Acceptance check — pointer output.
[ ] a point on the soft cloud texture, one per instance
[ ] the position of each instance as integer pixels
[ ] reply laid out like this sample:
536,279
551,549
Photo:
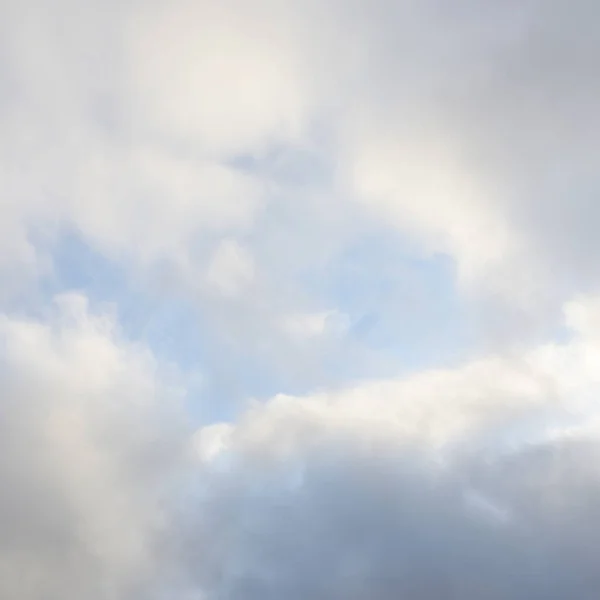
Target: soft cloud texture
123,122
477,480
315,190
461,480
230,269
91,437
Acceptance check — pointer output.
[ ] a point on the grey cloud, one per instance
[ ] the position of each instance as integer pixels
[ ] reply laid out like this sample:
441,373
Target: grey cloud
388,523
467,483
98,498
495,102
394,489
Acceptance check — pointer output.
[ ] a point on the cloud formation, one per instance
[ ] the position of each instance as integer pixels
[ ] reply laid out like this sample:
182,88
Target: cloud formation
454,481
91,439
472,130
480,480
239,162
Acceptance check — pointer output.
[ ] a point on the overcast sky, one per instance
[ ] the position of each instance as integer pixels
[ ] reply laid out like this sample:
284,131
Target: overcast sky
299,299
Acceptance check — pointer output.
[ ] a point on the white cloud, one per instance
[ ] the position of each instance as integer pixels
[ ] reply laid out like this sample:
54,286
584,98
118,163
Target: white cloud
231,268
69,159
151,205
303,326
223,74
414,177
212,440
89,439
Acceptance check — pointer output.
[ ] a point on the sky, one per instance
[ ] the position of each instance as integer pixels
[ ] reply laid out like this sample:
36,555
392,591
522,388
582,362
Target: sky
299,299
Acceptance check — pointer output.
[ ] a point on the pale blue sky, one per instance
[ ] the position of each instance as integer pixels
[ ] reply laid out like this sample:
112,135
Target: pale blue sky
403,315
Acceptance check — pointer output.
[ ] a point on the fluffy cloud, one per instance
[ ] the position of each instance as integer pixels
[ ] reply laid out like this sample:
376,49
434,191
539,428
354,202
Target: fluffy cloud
208,71
123,122
480,478
230,269
463,482
244,147
91,442
385,520
71,159
306,326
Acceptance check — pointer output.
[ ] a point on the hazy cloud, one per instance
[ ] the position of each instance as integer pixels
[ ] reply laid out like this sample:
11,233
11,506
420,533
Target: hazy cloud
228,155
91,438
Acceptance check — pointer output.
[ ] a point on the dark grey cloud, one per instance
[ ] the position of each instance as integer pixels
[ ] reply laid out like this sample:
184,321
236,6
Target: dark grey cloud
387,523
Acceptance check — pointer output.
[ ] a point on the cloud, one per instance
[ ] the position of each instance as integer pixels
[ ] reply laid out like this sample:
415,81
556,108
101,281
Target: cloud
244,148
71,161
150,206
91,439
124,123
475,478
387,521
207,71
230,269
460,482
475,138
310,325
